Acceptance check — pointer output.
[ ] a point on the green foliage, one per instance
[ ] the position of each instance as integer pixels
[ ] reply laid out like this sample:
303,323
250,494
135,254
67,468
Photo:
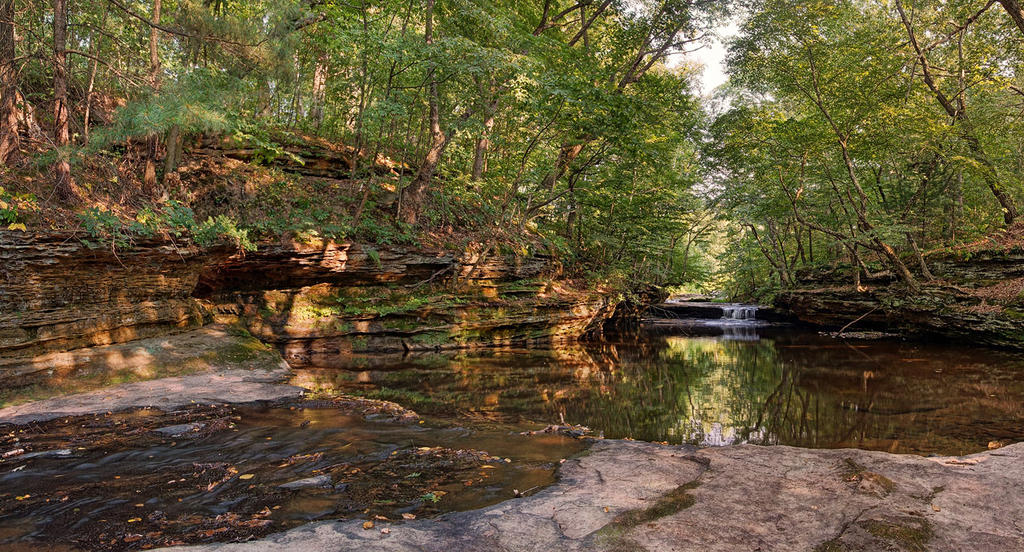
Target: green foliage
581,143
834,147
173,219
430,497
14,207
222,229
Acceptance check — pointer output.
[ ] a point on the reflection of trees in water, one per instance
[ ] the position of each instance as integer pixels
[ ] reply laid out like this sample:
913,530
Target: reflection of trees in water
710,391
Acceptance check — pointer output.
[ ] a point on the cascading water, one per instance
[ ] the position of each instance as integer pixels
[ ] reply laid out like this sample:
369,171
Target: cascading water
739,312
729,321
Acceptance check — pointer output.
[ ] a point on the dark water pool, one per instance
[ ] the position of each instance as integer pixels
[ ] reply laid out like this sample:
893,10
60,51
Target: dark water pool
150,490
121,485
755,385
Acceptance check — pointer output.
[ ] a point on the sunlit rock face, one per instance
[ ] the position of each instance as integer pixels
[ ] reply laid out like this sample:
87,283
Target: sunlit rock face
60,293
308,299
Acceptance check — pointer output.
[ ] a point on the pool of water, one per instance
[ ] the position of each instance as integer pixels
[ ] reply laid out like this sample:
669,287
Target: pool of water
709,383
744,385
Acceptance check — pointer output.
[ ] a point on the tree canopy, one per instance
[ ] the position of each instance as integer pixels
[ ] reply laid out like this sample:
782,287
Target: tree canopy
853,135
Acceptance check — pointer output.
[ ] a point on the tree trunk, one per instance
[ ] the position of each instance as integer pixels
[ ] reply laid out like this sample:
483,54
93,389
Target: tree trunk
92,82
9,140
319,91
925,273
483,142
152,140
27,117
1013,8
566,156
412,195
173,156
959,114
61,131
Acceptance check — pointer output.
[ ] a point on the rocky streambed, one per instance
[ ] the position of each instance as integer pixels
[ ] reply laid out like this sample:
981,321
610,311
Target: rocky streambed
639,496
589,494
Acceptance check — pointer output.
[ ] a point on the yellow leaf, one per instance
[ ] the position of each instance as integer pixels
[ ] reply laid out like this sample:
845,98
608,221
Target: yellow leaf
246,476
367,525
133,520
22,497
17,226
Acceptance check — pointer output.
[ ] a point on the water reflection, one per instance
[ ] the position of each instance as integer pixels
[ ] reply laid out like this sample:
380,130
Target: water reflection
739,387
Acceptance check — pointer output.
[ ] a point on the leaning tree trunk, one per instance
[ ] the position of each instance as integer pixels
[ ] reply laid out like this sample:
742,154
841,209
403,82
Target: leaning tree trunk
61,130
413,194
152,140
483,142
1014,10
566,155
958,114
9,140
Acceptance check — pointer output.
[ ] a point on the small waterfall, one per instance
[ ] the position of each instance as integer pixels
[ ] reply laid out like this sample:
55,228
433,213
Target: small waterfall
739,312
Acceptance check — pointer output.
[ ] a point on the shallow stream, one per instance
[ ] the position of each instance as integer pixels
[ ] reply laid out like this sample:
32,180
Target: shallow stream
128,486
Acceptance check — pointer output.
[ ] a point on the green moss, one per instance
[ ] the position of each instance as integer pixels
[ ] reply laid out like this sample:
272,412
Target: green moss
247,351
1013,313
614,535
615,539
313,312
855,472
402,324
431,338
674,501
912,536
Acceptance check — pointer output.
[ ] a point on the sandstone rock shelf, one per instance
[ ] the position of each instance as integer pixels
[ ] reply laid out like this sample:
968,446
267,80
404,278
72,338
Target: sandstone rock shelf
312,300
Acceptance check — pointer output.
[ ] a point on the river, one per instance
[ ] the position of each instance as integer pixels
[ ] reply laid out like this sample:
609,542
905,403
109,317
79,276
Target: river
708,383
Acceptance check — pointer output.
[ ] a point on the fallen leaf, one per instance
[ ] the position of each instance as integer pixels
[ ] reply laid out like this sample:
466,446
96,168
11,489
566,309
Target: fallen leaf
936,508
133,520
12,453
22,497
408,516
246,476
367,525
385,531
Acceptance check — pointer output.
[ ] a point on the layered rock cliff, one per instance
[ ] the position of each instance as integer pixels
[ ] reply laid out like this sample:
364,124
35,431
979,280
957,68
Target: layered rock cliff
313,301
976,297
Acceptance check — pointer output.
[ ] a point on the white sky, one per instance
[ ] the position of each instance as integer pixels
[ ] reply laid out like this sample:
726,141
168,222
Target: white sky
712,58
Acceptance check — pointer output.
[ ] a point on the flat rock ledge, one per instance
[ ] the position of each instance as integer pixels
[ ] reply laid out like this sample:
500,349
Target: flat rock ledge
212,364
230,386
631,496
